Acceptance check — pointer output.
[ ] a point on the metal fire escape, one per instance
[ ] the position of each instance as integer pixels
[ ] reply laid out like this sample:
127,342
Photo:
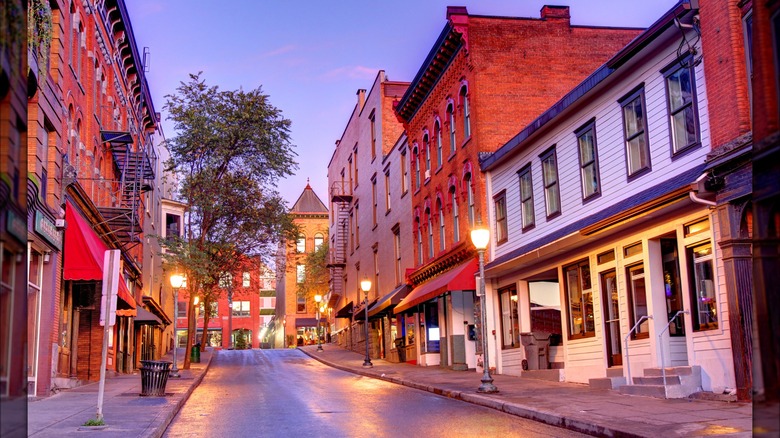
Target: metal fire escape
341,196
134,173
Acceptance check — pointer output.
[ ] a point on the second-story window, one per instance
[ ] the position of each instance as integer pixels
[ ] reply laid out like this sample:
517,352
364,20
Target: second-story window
442,230
246,279
470,199
635,132
300,273
455,215
319,239
589,170
552,196
526,197
464,98
397,253
500,212
300,244
419,224
430,232
681,101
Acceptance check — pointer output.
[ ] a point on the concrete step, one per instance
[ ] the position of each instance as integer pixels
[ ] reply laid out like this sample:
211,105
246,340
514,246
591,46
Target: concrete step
670,380
551,375
673,371
656,391
615,372
607,382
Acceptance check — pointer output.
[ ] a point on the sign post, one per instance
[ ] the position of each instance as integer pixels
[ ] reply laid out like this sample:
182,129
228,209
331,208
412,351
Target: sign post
107,315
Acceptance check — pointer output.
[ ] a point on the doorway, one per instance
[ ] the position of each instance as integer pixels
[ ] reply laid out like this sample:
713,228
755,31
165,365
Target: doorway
609,296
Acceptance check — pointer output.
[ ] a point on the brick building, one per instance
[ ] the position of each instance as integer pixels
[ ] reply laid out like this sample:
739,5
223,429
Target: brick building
484,78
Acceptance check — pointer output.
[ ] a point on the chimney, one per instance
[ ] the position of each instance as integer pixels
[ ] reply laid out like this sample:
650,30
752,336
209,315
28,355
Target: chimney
555,13
456,10
361,94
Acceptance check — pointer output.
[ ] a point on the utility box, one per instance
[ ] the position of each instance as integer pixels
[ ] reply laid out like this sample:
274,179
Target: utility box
537,350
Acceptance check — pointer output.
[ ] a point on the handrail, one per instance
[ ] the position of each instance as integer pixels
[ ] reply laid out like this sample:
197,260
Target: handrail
628,360
661,345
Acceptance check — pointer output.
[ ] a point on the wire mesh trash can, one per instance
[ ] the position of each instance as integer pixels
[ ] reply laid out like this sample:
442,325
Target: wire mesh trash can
154,377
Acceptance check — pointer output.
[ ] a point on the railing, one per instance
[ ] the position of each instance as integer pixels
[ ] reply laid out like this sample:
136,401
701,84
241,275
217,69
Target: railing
661,345
628,359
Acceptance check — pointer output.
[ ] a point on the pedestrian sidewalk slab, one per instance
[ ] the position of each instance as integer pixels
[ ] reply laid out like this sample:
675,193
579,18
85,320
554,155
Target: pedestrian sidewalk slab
599,412
126,413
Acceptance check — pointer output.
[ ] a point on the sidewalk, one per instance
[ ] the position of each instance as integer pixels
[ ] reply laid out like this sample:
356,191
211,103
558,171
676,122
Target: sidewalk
125,412
599,412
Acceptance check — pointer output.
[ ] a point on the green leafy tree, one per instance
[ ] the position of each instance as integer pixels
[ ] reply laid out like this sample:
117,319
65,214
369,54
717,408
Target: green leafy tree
317,274
230,150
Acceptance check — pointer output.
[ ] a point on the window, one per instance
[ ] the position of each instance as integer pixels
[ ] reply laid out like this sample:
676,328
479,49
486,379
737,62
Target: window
355,154
376,269
552,195
373,201
606,257
455,215
226,280
703,298
213,312
680,98
589,168
437,134
635,132
387,191
300,302
451,122
637,300
357,226
500,212
470,199
419,242
319,239
427,146
397,253
404,174
181,309
464,98
442,231
430,232
351,180
526,197
245,279
372,118
300,273
510,325
632,249
241,308
300,244
579,300
351,232
416,153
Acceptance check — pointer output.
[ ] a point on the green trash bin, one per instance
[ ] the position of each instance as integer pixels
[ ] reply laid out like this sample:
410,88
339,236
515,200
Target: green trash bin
195,353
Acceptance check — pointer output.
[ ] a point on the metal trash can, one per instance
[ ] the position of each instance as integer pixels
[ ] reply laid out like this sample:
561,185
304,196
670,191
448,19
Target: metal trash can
537,347
154,377
195,353
399,345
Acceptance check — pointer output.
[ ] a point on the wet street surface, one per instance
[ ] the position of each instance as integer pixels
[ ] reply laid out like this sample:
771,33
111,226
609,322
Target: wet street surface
282,393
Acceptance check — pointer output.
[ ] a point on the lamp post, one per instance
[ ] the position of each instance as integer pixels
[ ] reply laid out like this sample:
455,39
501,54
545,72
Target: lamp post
195,309
365,285
176,282
480,236
318,300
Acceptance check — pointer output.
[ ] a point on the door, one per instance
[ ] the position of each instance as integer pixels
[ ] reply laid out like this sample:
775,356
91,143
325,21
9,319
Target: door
609,297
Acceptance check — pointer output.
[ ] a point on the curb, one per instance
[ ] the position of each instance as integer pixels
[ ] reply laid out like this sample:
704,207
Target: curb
166,421
546,417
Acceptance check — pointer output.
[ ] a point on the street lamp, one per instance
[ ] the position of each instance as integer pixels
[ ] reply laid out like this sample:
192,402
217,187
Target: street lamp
365,285
177,280
480,236
318,300
195,303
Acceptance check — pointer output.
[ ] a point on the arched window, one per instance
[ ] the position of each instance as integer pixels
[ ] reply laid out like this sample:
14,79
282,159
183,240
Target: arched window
416,154
430,231
442,231
427,146
319,239
451,122
437,134
464,100
470,198
300,244
419,238
455,215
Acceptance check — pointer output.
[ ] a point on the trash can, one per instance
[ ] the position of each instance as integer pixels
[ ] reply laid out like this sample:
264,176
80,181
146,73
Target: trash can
195,353
154,377
537,346
399,345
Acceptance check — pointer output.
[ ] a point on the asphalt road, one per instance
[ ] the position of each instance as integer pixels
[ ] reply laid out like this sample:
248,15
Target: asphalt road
283,393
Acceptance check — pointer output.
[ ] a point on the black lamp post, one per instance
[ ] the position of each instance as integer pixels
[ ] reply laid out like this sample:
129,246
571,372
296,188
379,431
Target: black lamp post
318,300
480,237
365,285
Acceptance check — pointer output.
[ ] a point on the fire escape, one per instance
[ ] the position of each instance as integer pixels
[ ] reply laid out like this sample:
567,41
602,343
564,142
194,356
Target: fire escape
134,173
341,196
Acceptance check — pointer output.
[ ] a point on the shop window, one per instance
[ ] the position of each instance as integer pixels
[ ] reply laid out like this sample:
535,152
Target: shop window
545,300
510,326
703,294
579,300
637,300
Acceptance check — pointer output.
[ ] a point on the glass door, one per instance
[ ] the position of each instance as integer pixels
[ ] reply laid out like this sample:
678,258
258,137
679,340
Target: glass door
609,295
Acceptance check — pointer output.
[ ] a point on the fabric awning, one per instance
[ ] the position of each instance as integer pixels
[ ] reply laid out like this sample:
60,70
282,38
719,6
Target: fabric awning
386,302
146,317
346,311
84,252
459,278
359,312
308,322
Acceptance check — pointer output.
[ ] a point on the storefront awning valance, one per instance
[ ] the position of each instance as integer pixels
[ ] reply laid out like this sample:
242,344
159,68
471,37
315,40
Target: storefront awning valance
459,278
146,317
84,252
359,312
308,322
346,311
388,301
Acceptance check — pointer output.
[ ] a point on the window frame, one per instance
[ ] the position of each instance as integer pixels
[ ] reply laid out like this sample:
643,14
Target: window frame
509,317
451,122
442,224
695,296
500,217
526,170
469,178
466,110
439,145
300,244
372,120
583,291
630,293
455,215
549,186
374,202
668,72
638,94
588,127
427,147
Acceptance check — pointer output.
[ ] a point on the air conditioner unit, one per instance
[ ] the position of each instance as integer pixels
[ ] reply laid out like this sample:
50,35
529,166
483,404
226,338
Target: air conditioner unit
428,174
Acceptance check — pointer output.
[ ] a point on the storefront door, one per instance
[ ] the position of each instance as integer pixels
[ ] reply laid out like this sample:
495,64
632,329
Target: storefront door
609,294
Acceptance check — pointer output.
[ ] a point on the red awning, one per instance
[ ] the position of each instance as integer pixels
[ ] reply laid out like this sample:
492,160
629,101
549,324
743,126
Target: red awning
84,252
459,278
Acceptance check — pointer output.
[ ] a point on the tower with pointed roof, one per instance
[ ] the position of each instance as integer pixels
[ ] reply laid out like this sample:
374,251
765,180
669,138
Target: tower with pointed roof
295,314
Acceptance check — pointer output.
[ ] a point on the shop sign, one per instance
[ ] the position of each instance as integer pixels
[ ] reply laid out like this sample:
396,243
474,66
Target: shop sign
47,229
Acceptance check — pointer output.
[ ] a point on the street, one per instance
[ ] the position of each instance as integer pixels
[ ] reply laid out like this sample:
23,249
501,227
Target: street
286,393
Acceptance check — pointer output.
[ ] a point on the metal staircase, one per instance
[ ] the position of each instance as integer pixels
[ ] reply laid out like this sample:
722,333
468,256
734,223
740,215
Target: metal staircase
341,197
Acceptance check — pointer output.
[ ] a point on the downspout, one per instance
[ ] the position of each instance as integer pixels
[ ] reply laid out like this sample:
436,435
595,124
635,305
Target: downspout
695,189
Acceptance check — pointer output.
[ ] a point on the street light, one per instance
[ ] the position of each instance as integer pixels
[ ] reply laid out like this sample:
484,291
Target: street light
318,300
195,303
480,236
177,280
365,285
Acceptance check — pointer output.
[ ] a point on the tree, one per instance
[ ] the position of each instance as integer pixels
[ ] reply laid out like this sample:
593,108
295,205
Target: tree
317,274
230,151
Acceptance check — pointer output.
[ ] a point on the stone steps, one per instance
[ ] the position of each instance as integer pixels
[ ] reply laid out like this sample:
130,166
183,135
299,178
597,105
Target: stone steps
551,375
680,382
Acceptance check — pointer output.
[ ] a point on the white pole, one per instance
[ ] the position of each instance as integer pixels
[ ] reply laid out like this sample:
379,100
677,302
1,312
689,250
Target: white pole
104,358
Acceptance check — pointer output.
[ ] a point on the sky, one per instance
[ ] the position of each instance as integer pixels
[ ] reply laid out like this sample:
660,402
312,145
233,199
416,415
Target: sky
311,56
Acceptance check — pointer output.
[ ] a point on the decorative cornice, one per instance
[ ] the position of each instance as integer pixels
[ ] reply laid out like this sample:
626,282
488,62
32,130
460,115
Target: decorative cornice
461,252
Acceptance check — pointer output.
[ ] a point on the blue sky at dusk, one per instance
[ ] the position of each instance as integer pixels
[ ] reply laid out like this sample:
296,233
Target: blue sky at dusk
311,57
